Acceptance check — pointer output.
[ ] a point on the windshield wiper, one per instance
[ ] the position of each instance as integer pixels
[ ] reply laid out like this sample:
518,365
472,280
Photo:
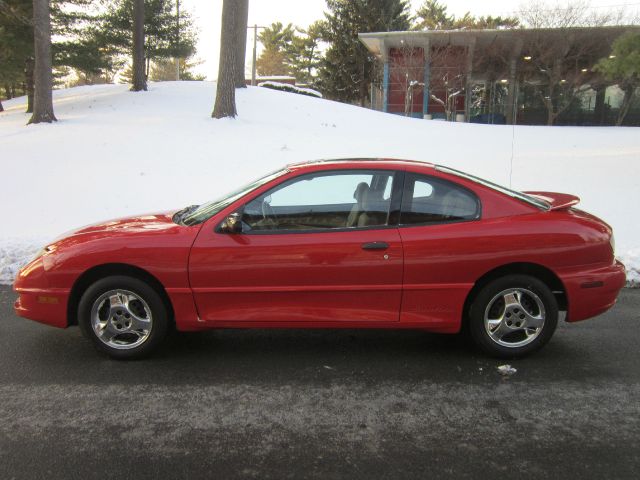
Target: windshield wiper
180,214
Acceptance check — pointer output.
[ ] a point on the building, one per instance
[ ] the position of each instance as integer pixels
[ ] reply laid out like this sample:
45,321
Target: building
523,76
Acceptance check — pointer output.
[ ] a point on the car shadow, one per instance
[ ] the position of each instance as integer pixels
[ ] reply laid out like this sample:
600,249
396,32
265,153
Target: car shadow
288,356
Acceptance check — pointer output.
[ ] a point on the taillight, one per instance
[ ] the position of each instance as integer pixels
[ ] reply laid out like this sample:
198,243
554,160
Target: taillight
612,242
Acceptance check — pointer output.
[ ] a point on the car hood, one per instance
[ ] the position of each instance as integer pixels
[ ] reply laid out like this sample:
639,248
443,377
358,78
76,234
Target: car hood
148,224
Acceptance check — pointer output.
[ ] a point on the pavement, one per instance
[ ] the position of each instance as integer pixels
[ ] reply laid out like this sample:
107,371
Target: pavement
321,404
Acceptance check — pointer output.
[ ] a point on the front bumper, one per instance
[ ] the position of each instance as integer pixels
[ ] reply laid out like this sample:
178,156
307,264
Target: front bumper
37,301
594,291
47,306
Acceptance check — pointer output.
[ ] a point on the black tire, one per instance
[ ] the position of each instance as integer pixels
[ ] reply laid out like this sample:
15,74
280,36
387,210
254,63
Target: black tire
159,324
476,321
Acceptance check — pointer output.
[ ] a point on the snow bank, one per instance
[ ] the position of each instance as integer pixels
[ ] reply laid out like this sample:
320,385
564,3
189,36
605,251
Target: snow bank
285,87
116,153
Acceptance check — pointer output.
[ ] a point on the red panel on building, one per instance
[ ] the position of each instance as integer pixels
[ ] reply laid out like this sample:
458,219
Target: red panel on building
406,77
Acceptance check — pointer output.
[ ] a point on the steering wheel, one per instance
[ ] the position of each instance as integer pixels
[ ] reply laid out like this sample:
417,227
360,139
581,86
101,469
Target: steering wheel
268,214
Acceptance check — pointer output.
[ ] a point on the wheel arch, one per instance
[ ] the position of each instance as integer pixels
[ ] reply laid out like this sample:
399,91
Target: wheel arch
536,270
97,272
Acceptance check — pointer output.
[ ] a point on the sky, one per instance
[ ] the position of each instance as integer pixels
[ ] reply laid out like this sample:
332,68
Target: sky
207,15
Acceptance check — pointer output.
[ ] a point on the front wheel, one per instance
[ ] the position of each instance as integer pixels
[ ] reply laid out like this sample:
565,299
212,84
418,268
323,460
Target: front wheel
513,316
123,316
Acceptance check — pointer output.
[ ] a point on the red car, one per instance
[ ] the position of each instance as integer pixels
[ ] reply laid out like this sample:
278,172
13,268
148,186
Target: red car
334,244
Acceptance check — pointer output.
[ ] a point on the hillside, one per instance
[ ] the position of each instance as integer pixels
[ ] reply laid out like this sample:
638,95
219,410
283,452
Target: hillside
115,153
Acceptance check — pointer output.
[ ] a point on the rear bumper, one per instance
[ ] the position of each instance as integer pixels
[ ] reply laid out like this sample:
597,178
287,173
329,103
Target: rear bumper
592,292
47,306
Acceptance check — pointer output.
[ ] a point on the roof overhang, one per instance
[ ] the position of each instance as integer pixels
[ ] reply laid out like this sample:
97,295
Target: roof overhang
379,43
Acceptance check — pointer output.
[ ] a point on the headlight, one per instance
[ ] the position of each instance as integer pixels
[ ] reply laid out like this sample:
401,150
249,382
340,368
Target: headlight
43,251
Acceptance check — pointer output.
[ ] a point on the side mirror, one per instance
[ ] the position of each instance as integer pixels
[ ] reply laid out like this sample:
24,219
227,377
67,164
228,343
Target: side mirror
231,224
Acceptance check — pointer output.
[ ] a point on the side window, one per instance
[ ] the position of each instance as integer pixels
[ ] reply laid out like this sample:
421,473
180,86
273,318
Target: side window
325,200
431,200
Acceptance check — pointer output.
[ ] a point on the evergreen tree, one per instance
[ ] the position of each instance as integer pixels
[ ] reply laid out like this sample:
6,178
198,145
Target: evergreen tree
17,48
69,19
164,70
162,39
347,69
277,42
433,15
305,53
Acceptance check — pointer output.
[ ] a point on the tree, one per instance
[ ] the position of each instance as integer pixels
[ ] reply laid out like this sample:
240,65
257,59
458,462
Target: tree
622,66
406,71
573,13
305,54
448,77
17,48
225,104
560,61
492,23
139,77
43,99
241,42
347,69
433,15
277,42
164,36
164,70
70,21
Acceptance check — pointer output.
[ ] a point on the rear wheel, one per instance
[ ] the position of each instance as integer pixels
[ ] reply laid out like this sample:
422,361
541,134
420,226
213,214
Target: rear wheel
513,316
123,317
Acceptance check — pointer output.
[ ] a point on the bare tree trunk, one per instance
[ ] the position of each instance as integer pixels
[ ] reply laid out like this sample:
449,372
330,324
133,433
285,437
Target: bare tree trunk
1,107
626,104
598,110
139,80
241,42
28,74
43,98
548,103
225,105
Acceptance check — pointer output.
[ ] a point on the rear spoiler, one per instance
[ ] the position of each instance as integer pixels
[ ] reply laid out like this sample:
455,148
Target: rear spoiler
556,201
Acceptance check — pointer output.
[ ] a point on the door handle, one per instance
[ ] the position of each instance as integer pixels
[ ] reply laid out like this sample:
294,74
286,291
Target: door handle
375,246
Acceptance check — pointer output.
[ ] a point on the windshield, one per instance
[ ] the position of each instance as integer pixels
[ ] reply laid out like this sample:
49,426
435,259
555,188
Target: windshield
209,209
507,191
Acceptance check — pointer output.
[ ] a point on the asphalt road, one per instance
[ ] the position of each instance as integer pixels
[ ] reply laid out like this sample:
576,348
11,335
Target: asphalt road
321,404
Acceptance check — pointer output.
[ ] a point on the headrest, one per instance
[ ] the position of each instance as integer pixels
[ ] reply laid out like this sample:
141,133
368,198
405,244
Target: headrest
360,191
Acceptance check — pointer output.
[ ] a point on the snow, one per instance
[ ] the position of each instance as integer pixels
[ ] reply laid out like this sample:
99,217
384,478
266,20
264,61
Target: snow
290,88
506,370
115,153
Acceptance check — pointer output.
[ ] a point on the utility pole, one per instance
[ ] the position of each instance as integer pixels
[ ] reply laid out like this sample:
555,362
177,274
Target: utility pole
177,39
255,46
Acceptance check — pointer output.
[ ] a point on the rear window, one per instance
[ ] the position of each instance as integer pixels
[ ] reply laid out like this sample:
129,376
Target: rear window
427,200
507,191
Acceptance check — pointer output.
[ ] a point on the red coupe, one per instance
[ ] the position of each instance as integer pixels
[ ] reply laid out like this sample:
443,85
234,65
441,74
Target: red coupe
360,243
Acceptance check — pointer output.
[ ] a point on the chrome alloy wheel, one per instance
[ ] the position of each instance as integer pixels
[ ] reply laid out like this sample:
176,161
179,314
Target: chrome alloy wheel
514,317
121,319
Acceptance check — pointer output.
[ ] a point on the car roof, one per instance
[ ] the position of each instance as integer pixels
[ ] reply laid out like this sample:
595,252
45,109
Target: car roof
382,162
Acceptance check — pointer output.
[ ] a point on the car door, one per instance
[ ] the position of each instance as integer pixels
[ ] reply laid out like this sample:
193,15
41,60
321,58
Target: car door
316,248
439,225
